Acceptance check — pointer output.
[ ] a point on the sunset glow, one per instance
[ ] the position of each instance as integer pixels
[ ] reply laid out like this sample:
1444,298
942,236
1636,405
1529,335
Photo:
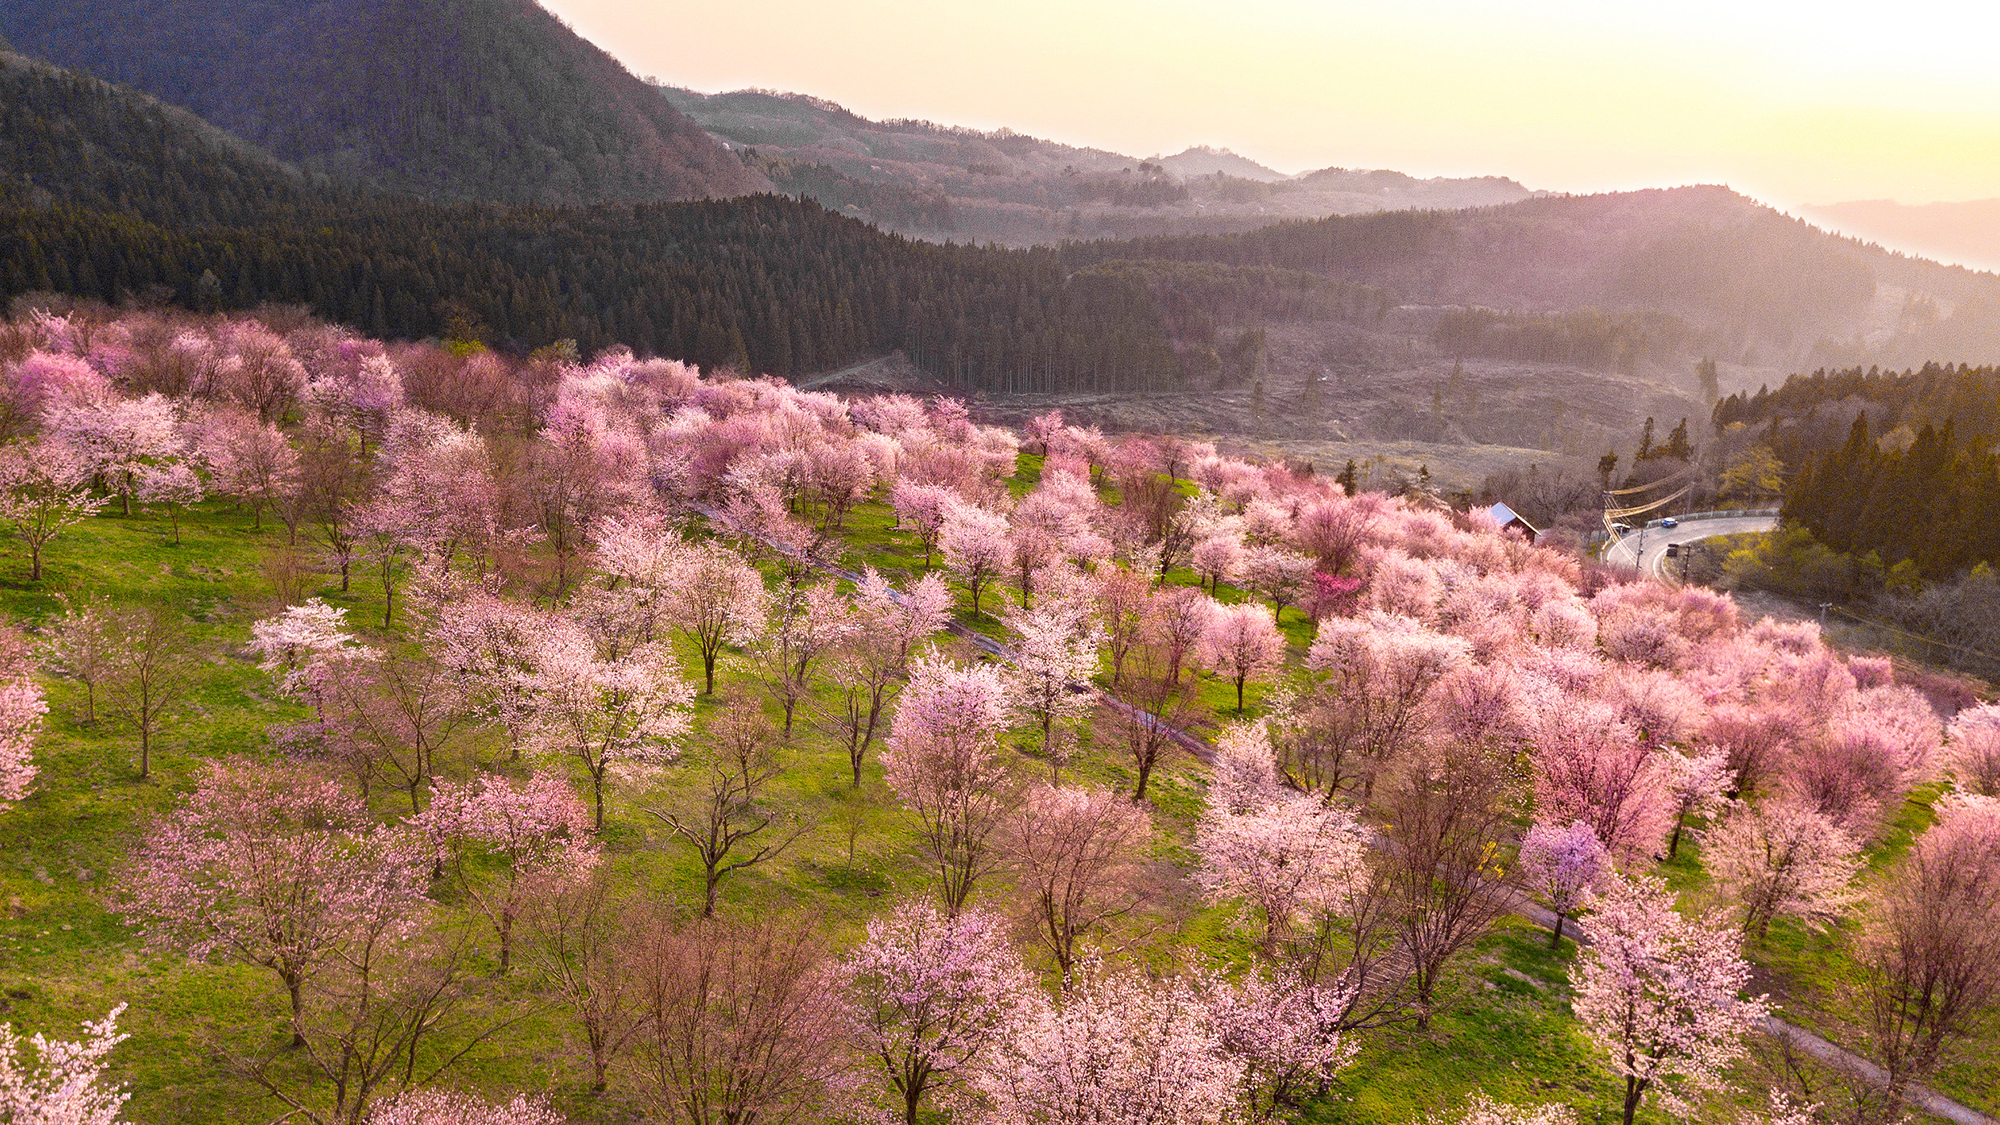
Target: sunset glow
1793,103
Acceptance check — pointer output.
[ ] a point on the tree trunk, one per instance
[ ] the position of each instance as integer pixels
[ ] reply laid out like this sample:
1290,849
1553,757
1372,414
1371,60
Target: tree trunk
1634,1090
35,562
1556,938
292,986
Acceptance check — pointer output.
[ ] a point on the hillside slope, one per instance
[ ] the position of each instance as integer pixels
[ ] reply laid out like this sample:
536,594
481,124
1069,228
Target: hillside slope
938,181
69,138
448,99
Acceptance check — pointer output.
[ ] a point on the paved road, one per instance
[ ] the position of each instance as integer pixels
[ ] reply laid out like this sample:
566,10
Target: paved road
1626,550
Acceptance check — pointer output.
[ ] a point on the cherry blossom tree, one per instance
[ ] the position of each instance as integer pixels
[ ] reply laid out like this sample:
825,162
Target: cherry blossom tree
1482,1110
716,599
921,508
1698,786
927,993
274,868
1076,855
1590,765
1781,858
1241,644
1120,596
1219,558
1049,679
975,546
1972,750
301,645
1931,947
21,711
44,489
1111,1047
1657,992
1565,866
806,624
173,488
625,715
66,1083
942,763
116,439
1382,669
536,829
249,461
743,1023
1286,858
1288,1032
875,655
1280,575
446,1107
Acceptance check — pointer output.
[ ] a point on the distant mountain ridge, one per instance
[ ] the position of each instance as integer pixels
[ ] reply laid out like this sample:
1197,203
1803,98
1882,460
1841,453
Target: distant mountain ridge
454,100
1967,232
946,182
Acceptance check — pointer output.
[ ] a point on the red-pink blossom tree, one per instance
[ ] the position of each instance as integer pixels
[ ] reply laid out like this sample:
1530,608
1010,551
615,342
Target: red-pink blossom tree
1289,1034
927,992
1972,750
1698,785
1288,856
1658,993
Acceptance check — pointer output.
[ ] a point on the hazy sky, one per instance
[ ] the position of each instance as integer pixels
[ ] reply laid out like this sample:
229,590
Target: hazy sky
1795,103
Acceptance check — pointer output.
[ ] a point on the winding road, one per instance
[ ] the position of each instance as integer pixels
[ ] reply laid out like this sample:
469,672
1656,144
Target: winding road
1627,549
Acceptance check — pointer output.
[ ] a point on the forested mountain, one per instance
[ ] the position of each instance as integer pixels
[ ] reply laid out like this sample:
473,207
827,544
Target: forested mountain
67,137
456,100
938,181
1735,278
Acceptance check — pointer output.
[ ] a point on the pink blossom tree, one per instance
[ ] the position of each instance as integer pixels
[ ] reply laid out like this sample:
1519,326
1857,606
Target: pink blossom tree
1288,1032
1285,858
1972,750
921,509
1565,866
1049,679
536,829
1591,766
447,1107
942,763
976,547
716,599
66,1084
21,711
873,657
1698,786
626,715
1781,858
1657,992
1382,670
249,461
1241,644
44,489
1076,856
274,868
1280,575
927,993
173,488
1111,1047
